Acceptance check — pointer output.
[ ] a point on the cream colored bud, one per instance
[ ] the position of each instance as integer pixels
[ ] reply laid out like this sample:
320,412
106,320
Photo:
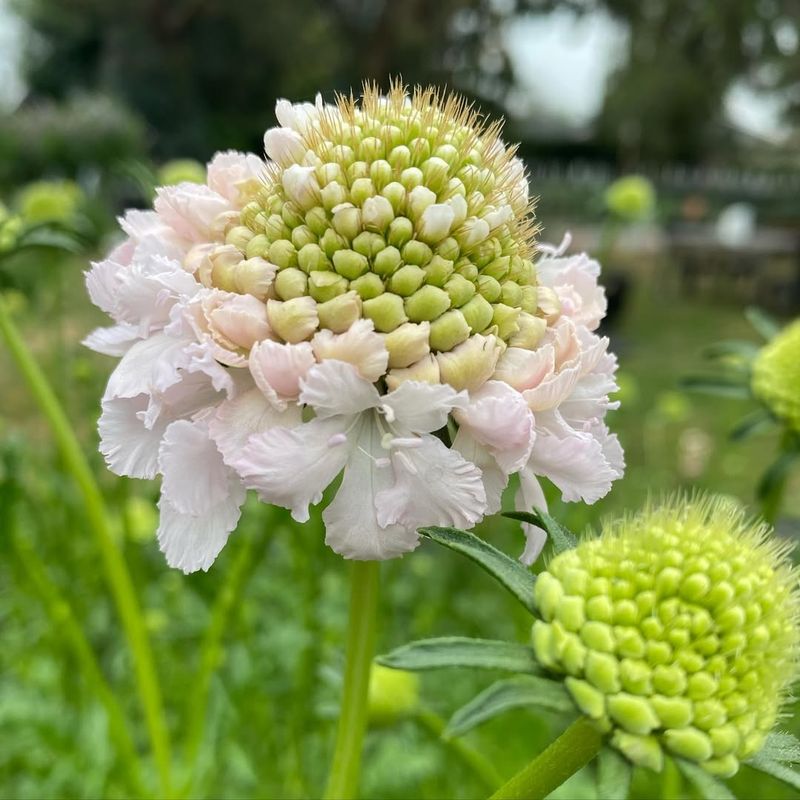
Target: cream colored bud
380,171
334,194
386,311
239,236
258,246
408,343
347,221
300,185
325,285
435,222
549,304
284,146
505,318
293,320
460,209
425,370
368,286
377,213
472,233
448,330
530,299
197,261
387,261
470,364
401,230
419,198
357,170
339,313
395,193
361,190
411,177
447,153
291,283
217,270
530,333
331,173
427,303
495,217
435,171
255,276
400,157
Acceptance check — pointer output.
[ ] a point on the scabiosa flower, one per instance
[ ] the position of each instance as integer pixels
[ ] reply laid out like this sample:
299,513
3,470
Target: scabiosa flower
367,301
776,376
678,631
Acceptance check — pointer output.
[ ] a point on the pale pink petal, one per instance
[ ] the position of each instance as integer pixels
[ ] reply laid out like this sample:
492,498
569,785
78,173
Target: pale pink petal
433,485
236,420
230,171
553,390
499,417
359,345
525,369
278,368
113,341
334,387
151,365
494,479
529,496
103,282
574,279
238,321
351,524
190,209
292,467
422,407
128,446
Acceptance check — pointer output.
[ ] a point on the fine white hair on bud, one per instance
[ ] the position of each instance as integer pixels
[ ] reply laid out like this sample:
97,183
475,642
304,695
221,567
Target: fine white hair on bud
372,283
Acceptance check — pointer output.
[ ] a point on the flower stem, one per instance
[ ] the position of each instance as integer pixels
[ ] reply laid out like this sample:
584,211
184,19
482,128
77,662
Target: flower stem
346,765
117,574
575,748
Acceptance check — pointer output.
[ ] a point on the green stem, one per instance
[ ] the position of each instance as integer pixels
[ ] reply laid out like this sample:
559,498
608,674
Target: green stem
574,749
477,762
116,570
346,764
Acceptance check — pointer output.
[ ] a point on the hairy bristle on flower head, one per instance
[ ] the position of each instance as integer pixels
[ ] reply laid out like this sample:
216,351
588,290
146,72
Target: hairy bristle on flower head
677,629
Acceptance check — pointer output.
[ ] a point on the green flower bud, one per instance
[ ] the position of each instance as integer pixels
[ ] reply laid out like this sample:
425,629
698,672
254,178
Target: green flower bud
427,303
317,220
377,213
239,236
293,320
401,230
292,215
386,312
258,246
448,249
406,280
357,170
478,313
283,254
381,173
387,261
370,148
331,241
291,283
347,221
301,236
339,313
425,370
411,177
368,286
311,259
369,244
776,376
438,270
449,330
395,193
408,344
416,252
333,195
505,318
435,173
361,190
400,158
324,286
460,290
350,264
670,607
393,695
489,288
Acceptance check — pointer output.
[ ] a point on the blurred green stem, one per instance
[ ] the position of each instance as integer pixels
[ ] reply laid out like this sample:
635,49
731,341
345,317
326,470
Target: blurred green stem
116,570
478,763
574,749
346,765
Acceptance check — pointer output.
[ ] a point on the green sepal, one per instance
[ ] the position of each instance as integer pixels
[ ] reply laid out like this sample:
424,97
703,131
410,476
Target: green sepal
519,692
562,538
613,775
515,577
460,651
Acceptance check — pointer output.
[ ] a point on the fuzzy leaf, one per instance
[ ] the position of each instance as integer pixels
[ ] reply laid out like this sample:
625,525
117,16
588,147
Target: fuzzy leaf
460,651
762,322
522,691
561,537
776,769
516,578
613,775
709,787
781,746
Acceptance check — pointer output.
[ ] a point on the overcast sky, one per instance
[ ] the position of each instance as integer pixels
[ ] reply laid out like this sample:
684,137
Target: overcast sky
562,62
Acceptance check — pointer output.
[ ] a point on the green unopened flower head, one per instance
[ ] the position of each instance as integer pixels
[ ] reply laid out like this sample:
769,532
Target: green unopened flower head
180,170
776,375
49,201
409,201
631,198
393,695
677,630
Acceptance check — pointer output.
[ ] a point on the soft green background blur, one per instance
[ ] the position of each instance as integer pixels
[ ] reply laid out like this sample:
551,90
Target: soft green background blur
98,95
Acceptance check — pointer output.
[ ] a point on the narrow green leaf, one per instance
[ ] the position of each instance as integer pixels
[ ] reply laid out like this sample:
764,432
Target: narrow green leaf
732,347
516,578
519,692
751,424
722,385
709,787
562,538
613,775
762,322
776,769
773,478
781,746
460,651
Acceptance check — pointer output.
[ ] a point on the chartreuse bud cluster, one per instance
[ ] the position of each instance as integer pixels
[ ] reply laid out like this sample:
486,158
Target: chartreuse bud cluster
677,630
403,210
776,376
393,695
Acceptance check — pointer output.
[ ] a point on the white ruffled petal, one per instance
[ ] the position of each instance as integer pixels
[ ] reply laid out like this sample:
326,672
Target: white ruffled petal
422,407
494,479
351,524
236,420
190,209
113,341
530,495
229,171
278,368
127,444
335,387
359,345
292,467
433,485
151,365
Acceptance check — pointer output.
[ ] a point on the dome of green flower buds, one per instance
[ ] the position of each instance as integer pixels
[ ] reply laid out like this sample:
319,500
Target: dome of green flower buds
776,375
401,209
393,695
677,630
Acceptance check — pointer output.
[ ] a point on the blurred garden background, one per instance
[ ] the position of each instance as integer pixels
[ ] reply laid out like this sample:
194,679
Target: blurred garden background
694,104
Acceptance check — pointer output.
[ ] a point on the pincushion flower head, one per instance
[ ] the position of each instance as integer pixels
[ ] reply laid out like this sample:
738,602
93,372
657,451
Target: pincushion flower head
677,631
369,301
776,376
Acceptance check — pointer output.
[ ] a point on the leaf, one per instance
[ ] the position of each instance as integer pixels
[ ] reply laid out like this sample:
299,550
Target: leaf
460,651
519,692
721,385
561,537
516,578
781,746
776,769
732,347
51,238
710,788
613,775
772,480
762,322
751,424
